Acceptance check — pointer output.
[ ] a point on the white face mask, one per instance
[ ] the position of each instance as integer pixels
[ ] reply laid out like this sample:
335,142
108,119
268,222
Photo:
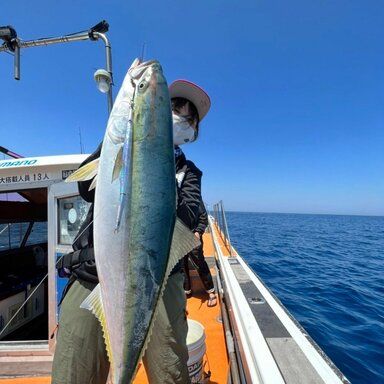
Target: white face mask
183,132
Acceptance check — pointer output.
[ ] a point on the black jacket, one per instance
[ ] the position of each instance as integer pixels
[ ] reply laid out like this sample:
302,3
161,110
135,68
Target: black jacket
188,191
188,203
202,220
87,269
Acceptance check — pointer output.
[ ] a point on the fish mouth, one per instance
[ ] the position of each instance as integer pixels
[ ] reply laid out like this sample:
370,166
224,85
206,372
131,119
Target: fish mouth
138,69
149,70
120,115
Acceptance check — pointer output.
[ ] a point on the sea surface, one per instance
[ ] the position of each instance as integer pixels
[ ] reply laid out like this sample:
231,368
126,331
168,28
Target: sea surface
328,271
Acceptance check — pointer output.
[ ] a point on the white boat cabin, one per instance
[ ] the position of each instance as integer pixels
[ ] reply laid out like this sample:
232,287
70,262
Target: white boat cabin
40,216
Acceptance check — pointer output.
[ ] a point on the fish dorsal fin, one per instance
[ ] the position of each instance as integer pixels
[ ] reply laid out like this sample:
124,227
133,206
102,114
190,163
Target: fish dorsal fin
94,303
93,184
118,164
86,172
183,241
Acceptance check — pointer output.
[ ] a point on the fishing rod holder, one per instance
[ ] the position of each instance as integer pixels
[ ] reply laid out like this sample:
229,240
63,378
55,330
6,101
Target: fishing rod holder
12,44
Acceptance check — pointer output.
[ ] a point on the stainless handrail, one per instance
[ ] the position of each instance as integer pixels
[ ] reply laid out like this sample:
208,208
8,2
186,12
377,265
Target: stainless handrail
221,222
234,376
226,228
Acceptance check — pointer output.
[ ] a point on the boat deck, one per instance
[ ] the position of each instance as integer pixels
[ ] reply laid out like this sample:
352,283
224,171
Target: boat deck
216,359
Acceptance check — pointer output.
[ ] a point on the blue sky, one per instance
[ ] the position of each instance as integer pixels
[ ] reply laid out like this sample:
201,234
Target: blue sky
297,89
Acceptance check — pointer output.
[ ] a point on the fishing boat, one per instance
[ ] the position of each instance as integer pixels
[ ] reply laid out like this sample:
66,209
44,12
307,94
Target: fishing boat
249,336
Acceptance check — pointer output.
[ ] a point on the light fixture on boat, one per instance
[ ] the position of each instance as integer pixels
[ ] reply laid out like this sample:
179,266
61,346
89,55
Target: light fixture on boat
103,80
7,33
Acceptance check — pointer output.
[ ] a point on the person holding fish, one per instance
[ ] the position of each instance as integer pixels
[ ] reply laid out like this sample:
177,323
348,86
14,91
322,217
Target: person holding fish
134,292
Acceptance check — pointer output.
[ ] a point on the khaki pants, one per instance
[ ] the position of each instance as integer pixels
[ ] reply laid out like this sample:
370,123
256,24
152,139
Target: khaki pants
80,356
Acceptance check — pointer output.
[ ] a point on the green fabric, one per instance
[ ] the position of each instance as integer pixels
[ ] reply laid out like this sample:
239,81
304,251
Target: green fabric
80,356
166,358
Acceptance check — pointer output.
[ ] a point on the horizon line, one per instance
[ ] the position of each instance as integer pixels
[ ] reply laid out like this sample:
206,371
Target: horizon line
301,213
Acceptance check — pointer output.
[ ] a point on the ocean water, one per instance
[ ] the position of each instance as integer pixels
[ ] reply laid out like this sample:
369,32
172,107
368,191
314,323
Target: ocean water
329,273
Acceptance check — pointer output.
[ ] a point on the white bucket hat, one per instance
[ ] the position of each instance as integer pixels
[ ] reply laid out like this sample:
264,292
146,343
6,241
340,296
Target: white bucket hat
193,93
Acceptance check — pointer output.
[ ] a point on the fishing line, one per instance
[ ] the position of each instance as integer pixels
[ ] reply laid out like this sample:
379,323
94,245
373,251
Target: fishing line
5,228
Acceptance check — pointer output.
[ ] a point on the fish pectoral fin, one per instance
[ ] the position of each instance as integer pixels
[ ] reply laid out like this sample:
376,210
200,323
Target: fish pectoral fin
183,241
94,303
93,184
118,164
86,172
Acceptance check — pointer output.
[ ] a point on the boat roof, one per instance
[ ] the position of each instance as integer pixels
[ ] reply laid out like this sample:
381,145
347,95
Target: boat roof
42,161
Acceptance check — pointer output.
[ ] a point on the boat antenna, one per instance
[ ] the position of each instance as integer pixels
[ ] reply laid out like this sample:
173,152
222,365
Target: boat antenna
81,142
143,51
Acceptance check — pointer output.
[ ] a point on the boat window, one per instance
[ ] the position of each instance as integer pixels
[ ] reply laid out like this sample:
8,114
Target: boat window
11,235
39,234
72,213
11,196
23,265
5,238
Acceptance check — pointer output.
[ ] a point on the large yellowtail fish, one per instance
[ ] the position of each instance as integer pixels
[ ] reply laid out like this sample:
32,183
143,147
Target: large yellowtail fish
137,238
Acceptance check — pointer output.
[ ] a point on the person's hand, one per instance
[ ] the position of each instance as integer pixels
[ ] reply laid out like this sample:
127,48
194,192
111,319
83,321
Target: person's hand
197,234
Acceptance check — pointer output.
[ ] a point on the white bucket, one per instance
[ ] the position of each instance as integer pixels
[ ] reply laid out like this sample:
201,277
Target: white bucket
196,350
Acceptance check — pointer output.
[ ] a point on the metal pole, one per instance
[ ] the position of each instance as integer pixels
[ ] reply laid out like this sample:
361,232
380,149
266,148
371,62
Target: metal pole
66,39
49,41
218,217
221,221
216,222
108,59
9,235
226,229
223,232
16,68
10,153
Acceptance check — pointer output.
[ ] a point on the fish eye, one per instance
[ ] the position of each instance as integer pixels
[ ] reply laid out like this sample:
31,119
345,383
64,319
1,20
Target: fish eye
142,85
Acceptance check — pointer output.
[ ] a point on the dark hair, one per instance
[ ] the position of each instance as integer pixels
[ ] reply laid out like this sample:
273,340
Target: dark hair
178,102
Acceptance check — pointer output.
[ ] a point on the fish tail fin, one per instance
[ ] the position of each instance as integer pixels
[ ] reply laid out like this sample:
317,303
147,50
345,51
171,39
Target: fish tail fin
118,164
183,242
86,172
94,303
